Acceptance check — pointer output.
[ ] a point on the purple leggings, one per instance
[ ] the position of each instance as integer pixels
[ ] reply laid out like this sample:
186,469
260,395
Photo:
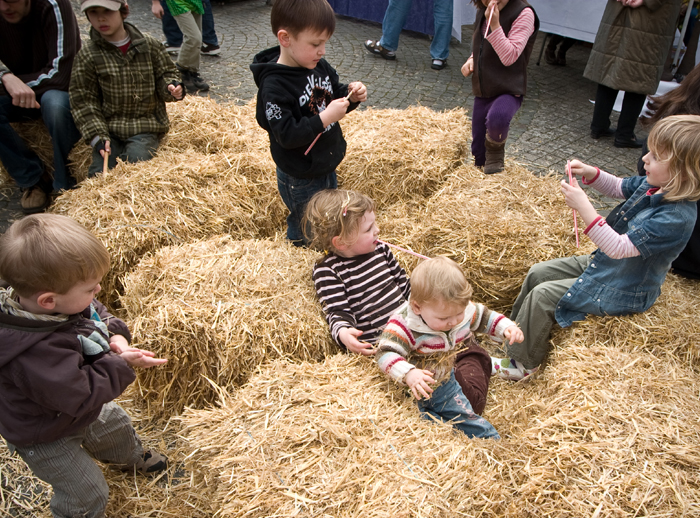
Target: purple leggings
492,114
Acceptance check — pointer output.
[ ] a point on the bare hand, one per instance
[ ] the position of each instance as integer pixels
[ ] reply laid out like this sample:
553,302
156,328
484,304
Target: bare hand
157,9
118,343
359,92
107,149
417,380
578,200
176,91
335,111
496,17
140,358
631,3
349,337
513,334
578,168
468,67
21,94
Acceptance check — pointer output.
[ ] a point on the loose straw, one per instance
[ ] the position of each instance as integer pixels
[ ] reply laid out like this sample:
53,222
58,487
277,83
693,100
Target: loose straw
347,97
571,182
402,249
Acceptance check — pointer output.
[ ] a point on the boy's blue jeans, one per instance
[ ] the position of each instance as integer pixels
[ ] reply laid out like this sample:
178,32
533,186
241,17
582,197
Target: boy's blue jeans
395,18
296,193
448,403
173,34
23,165
134,149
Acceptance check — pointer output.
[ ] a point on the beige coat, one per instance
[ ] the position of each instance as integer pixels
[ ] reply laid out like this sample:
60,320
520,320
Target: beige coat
632,44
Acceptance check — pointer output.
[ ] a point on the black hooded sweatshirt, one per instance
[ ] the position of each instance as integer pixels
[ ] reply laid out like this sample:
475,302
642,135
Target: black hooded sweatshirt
290,100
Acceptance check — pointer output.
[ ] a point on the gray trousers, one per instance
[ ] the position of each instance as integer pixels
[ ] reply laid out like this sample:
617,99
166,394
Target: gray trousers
191,27
79,487
546,283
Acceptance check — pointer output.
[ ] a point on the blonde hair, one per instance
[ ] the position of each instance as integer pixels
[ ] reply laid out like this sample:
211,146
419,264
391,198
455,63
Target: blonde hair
675,140
335,213
441,279
48,252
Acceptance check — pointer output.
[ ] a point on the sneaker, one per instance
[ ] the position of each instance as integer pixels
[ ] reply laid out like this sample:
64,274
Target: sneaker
210,50
151,463
172,49
509,369
438,64
375,48
34,200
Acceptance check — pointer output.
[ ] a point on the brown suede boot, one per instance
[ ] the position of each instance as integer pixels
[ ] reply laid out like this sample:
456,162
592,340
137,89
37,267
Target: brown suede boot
495,155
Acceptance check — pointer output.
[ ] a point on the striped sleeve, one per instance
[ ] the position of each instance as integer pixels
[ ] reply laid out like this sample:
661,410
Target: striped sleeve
490,322
607,184
614,245
393,348
331,293
508,48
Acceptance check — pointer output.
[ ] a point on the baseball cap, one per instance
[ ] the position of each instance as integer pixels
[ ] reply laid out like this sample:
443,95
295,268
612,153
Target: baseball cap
112,5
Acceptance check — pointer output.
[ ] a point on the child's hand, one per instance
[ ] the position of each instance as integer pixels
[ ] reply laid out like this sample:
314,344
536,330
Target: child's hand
578,200
176,91
513,334
103,147
157,9
118,343
417,380
359,92
140,358
496,17
335,111
468,67
578,168
349,337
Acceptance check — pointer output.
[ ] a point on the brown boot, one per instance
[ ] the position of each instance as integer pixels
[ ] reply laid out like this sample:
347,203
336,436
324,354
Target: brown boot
34,200
495,155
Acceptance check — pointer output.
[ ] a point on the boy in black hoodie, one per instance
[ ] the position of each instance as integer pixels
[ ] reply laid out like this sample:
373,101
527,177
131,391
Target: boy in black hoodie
300,101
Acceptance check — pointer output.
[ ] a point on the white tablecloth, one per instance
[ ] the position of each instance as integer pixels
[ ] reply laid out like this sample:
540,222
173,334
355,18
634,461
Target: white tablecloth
578,19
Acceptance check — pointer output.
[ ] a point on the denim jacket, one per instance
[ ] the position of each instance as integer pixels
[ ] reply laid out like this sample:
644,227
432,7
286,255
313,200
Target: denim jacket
659,230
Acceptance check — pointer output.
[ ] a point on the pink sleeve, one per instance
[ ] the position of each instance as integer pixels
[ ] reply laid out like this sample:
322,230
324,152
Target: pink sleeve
616,246
509,48
607,184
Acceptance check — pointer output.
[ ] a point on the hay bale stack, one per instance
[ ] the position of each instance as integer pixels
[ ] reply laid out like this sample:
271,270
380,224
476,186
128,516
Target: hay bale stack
217,309
601,433
670,328
400,155
496,226
176,197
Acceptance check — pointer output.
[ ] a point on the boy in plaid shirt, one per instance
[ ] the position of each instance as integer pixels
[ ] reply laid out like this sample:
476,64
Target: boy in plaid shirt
120,83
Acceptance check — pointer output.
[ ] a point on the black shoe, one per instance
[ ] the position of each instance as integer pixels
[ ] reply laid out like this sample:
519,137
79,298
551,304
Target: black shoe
210,50
438,64
199,82
605,133
629,142
550,55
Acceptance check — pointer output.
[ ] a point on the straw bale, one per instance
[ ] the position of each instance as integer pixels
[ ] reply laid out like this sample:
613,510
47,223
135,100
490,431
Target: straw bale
395,155
176,197
602,432
176,492
217,309
495,226
670,328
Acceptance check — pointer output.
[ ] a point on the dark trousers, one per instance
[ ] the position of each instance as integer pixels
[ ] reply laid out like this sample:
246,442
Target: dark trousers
473,373
632,105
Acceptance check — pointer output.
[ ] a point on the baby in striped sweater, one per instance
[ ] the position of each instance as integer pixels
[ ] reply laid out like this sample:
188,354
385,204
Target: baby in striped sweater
419,345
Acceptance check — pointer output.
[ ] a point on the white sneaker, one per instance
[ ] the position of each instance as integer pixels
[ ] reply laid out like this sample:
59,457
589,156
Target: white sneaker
509,369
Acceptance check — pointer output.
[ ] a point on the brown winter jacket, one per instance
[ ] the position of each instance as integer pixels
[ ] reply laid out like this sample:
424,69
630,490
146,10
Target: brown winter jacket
48,388
631,45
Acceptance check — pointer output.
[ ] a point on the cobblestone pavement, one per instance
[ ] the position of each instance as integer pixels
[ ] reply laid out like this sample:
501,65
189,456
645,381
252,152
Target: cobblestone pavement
551,127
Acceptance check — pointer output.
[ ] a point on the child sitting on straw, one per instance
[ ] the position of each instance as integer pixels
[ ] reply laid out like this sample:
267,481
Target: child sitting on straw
64,359
300,101
120,83
429,330
500,52
637,243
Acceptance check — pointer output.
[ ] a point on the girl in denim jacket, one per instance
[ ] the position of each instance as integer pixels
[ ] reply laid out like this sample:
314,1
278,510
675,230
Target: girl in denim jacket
636,243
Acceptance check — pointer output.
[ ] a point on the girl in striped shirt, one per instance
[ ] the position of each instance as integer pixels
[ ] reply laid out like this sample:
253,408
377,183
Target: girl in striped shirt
358,280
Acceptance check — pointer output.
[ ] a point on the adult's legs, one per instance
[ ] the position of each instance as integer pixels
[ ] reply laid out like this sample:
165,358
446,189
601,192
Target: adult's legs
546,283
191,26
442,15
632,104
479,112
448,403
394,20
55,111
604,102
296,193
21,163
171,30
473,373
208,31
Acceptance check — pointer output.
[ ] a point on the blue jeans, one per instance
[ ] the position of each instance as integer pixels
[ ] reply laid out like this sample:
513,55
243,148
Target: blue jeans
134,149
22,164
395,18
296,193
173,34
448,403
